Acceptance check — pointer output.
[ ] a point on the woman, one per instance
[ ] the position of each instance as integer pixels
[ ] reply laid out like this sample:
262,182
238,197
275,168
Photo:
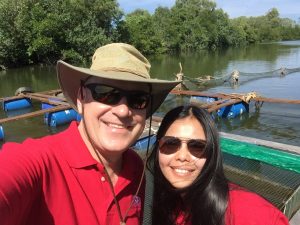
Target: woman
189,182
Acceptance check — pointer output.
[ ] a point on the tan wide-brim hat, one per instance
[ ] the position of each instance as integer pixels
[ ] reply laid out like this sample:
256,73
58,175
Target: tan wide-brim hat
117,61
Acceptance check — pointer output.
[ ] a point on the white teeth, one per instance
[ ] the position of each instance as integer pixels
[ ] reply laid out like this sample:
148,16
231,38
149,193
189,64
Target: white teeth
181,171
116,125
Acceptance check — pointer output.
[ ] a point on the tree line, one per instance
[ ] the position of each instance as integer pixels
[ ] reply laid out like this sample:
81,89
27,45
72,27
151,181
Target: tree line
43,31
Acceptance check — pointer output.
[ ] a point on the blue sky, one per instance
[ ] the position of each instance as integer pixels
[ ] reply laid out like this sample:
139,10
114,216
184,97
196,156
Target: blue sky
234,8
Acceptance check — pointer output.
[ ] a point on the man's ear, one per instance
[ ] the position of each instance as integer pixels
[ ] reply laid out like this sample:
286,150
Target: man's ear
80,99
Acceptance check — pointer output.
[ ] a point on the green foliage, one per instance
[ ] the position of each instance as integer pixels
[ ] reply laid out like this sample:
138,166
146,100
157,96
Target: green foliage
142,32
39,31
192,25
11,36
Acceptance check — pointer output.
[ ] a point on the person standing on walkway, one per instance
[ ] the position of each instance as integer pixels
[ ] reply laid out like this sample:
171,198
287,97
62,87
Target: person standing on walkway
87,174
190,187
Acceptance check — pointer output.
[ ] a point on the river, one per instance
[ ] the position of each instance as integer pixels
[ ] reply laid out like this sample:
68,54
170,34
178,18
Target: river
275,122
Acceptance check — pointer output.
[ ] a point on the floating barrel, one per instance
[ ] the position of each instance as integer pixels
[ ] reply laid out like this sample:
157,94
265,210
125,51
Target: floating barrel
204,99
16,104
1,133
54,119
234,110
142,143
61,117
78,118
46,115
18,112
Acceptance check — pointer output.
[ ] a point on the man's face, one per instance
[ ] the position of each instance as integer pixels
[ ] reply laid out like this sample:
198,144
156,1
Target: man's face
111,128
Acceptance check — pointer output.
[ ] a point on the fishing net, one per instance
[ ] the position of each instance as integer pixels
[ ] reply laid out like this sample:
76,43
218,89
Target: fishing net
234,78
273,174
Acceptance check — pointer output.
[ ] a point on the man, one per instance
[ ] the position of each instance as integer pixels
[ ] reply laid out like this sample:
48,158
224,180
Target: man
86,174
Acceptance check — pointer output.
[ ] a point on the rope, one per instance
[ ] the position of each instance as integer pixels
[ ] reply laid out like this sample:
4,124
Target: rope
244,97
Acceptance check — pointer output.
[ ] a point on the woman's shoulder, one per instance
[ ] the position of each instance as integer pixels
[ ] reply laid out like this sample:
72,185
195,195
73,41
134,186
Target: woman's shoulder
238,195
246,207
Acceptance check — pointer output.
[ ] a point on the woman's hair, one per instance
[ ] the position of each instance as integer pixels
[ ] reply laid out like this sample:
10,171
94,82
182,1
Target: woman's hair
205,200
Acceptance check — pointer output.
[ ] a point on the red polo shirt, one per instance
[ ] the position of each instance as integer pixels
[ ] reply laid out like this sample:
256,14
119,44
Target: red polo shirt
55,180
246,208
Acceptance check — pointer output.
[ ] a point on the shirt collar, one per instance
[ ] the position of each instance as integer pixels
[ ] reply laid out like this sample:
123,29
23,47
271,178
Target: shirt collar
74,148
78,155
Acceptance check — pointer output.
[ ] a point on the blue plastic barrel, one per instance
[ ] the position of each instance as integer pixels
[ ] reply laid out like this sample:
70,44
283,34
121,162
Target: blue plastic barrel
233,111
46,115
142,143
203,99
17,112
61,117
16,104
1,133
78,118
46,105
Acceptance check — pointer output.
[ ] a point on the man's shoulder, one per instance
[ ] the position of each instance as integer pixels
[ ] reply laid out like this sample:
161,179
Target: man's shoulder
39,144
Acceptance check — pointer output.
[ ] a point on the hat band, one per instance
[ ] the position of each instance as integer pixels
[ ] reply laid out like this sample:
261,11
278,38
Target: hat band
115,69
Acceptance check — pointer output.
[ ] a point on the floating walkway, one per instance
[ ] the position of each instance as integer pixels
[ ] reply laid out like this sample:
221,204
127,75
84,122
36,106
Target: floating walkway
229,105
17,102
55,109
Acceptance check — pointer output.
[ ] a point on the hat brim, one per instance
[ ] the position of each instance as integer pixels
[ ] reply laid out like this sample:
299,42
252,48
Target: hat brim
69,78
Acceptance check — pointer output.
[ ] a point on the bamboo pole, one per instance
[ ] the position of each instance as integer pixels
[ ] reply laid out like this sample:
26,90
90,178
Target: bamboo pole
219,95
276,100
55,98
47,99
36,113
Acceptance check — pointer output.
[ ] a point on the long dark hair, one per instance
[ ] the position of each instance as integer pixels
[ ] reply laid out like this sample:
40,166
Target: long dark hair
205,200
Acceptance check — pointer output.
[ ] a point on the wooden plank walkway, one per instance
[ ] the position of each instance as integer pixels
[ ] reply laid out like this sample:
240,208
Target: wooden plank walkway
59,104
234,96
36,113
51,98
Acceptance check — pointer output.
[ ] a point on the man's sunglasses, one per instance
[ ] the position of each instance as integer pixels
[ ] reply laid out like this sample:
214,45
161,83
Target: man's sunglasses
112,96
169,145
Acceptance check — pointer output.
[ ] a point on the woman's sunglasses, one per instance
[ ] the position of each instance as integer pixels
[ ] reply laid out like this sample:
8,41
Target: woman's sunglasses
169,145
111,96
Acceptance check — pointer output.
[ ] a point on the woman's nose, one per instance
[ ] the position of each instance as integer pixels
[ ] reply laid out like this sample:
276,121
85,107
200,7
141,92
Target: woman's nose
183,153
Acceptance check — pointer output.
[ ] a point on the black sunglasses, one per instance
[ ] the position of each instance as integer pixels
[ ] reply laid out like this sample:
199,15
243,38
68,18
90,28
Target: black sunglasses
111,96
169,145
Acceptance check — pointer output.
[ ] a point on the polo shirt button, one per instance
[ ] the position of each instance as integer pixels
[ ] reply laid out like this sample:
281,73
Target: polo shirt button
102,179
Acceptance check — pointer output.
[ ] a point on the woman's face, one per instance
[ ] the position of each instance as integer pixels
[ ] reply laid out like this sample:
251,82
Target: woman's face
182,163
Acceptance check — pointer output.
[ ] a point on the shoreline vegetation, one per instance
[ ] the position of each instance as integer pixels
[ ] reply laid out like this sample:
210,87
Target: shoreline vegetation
41,31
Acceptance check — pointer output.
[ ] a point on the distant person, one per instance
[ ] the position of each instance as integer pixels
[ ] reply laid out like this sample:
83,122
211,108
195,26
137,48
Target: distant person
189,183
87,174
